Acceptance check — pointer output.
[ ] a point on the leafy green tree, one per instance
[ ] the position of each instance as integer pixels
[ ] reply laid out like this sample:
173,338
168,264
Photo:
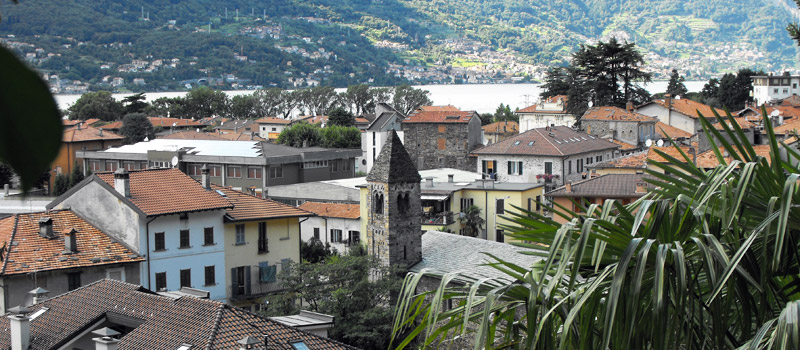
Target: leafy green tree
734,90
246,107
301,134
555,82
60,185
76,175
708,258
318,100
472,221
206,102
359,99
503,113
135,103
675,86
135,127
335,136
339,116
407,99
174,107
276,102
314,251
355,288
486,118
99,104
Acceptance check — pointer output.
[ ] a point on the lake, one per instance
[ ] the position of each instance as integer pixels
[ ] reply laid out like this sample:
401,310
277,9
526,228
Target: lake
483,98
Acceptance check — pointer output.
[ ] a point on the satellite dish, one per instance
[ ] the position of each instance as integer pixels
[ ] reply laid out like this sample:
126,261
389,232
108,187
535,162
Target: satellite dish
591,104
175,124
775,113
146,139
677,97
174,161
648,143
660,143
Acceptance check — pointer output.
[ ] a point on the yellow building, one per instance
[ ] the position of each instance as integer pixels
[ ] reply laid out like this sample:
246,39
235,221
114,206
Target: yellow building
443,203
261,237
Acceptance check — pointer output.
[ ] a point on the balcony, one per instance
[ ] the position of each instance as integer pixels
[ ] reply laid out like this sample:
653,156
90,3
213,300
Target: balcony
441,218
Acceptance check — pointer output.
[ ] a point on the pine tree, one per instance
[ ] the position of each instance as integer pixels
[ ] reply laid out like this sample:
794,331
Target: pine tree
675,87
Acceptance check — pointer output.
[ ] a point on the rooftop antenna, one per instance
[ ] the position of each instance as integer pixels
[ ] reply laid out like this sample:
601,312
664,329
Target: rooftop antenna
226,13
237,15
142,12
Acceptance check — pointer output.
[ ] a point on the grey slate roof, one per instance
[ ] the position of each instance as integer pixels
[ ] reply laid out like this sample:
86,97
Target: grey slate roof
447,252
552,141
394,164
607,186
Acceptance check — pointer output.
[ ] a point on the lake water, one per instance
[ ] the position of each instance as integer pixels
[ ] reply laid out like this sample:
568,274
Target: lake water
483,98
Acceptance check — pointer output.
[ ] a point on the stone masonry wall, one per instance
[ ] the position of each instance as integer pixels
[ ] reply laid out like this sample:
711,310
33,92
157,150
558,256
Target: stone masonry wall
441,145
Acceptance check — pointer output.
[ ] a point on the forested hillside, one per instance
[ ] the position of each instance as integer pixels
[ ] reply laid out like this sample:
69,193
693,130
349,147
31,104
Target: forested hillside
333,42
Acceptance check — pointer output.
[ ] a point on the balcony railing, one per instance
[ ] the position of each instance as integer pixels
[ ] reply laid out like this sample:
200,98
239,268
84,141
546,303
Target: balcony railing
442,218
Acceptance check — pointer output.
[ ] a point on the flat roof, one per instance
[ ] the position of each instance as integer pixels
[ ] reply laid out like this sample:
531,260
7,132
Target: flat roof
439,175
194,147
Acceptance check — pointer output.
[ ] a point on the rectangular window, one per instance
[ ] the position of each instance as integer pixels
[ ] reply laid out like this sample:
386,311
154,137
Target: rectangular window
519,168
215,170
160,244
211,278
346,165
580,165
161,281
499,236
588,160
129,165
186,278
538,203
316,232
512,168
466,203
240,285
234,171
569,167
73,280
143,165
111,166
373,138
598,159
267,273
335,165
195,169
353,238
336,235
275,171
240,234
184,239
501,206
253,172
95,166
208,236
263,242
548,167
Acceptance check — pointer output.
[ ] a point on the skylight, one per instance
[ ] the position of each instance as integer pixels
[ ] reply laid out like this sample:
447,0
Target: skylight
516,143
530,143
299,345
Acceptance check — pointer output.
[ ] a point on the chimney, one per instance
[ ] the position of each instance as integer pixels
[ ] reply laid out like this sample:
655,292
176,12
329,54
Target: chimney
641,187
668,100
205,179
629,106
568,187
38,294
122,182
249,342
450,177
20,326
70,241
46,227
79,125
429,180
101,133
305,143
107,339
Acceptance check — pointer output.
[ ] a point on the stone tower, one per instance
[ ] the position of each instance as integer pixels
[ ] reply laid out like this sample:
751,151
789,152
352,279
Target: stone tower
394,222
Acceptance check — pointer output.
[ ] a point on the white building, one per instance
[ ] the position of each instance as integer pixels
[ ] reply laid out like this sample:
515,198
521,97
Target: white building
768,88
548,112
679,112
372,139
336,223
270,128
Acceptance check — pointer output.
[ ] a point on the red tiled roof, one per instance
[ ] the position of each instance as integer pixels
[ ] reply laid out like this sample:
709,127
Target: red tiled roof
507,127
272,120
615,113
551,99
669,150
539,142
362,120
240,136
623,145
636,160
27,251
708,159
333,210
229,136
604,186
88,134
167,122
665,130
422,116
447,108
168,191
689,108
744,124
248,207
166,322
115,125
788,126
313,119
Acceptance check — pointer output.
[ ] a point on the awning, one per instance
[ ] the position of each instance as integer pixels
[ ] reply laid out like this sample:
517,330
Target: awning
434,197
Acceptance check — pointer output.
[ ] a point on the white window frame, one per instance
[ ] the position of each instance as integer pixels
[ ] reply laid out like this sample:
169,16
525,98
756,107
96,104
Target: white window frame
240,237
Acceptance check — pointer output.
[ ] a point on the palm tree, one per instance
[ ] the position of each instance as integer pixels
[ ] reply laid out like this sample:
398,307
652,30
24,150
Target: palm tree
710,259
472,221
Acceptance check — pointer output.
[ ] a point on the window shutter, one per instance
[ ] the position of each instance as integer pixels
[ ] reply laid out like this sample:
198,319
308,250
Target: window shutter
519,168
247,280
234,282
509,168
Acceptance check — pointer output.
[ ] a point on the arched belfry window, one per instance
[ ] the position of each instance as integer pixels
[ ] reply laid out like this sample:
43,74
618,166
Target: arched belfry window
402,203
378,205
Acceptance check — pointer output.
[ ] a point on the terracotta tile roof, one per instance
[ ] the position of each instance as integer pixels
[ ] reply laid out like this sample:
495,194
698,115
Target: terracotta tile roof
168,191
665,130
333,210
447,108
551,99
422,116
272,120
636,160
689,108
68,122
312,119
788,126
88,133
539,142
166,322
623,145
793,100
362,120
115,125
247,207
604,186
240,136
708,159
744,124
669,150
167,122
615,113
507,127
192,135
27,251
